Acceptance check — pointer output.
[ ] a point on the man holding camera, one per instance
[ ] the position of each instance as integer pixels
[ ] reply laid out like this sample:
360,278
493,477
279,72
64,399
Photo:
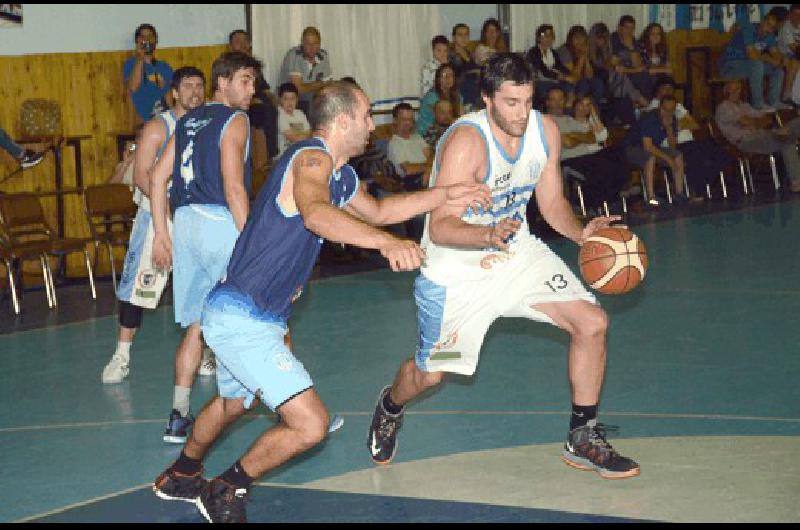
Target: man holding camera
306,66
147,79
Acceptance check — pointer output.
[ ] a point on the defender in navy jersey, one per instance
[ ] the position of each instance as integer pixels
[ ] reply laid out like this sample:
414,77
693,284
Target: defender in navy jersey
311,194
208,159
140,285
483,265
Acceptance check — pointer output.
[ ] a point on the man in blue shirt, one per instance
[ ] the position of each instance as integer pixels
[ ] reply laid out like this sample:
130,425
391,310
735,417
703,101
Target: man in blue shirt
753,53
654,142
208,158
147,79
311,194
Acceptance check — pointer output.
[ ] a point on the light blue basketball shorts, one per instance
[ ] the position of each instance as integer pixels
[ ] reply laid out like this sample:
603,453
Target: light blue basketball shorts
252,359
202,243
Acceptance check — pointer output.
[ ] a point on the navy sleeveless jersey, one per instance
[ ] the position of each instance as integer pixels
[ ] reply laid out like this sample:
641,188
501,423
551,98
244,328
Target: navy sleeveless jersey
275,253
197,173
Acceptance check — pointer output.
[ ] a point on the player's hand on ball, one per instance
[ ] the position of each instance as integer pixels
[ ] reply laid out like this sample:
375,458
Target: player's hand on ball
162,252
502,232
472,195
597,223
403,254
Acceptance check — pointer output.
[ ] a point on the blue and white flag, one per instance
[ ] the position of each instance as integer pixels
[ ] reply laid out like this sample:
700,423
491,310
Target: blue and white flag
720,17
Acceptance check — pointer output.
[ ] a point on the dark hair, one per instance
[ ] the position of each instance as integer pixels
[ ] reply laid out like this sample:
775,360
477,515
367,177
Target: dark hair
502,67
574,31
459,25
311,30
500,44
664,81
668,97
439,39
794,7
401,106
624,19
778,12
599,56
183,72
236,32
453,94
287,87
227,64
333,99
351,80
540,31
661,47
143,27
556,89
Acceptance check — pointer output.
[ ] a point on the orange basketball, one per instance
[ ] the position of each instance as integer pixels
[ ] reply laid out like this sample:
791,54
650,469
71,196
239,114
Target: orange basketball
613,260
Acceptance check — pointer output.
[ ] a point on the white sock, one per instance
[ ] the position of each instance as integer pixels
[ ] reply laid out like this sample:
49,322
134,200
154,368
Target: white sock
181,400
124,350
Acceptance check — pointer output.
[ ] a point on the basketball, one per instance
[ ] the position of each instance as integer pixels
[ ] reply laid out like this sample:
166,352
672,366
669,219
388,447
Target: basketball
613,260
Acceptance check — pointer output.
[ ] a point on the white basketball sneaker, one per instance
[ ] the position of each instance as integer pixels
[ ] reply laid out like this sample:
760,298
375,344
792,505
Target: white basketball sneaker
116,370
208,365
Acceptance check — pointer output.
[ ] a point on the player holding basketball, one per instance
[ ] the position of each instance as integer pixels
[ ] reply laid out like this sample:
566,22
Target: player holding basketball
140,284
208,159
311,194
486,264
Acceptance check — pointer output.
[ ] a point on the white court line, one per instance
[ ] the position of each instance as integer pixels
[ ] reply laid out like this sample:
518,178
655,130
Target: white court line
83,503
727,417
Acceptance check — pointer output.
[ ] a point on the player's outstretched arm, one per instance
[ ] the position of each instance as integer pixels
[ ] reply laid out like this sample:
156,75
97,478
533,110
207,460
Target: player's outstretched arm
463,162
403,206
309,176
162,244
554,207
150,139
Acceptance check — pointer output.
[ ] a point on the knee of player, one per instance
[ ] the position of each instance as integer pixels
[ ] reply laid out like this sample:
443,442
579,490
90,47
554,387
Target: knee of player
315,429
593,321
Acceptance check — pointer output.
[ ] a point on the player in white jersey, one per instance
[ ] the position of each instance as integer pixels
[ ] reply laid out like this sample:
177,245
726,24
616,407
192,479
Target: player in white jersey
141,285
483,265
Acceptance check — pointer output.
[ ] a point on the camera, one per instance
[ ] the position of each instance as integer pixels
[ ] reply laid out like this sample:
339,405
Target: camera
148,47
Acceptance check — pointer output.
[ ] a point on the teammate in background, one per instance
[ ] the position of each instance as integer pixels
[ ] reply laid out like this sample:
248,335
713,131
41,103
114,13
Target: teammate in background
140,285
482,265
311,194
208,159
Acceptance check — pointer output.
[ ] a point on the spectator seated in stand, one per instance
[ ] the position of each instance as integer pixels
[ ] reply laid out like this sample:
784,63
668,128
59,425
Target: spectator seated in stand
627,51
583,156
574,55
444,87
753,131
293,125
549,71
439,47
443,118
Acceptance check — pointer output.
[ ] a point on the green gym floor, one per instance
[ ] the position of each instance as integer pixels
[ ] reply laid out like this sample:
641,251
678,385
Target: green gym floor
702,381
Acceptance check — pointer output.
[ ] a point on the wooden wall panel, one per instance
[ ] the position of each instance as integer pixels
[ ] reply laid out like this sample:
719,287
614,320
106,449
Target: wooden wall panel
94,101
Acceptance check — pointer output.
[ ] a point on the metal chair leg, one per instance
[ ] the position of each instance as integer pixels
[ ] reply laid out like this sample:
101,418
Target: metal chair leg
605,208
624,205
749,175
775,179
722,183
744,178
669,191
580,198
12,287
113,269
91,274
46,278
52,282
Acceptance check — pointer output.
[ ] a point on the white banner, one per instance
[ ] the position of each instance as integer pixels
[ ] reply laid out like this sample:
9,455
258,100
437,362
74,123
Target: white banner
701,16
666,16
754,12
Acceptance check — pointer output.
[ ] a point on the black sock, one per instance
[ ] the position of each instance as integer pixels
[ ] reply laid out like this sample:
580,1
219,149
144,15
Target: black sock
236,476
187,466
581,415
390,406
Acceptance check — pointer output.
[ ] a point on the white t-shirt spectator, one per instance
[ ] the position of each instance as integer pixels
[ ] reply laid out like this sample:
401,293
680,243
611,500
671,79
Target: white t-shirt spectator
402,150
568,124
295,122
789,35
428,76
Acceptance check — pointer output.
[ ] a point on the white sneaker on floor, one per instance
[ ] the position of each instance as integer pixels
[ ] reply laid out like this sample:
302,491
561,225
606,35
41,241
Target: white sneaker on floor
208,365
115,371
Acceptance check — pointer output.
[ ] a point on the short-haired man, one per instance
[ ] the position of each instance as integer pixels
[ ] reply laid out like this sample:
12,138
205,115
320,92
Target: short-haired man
753,53
312,194
148,80
208,159
407,150
485,264
442,119
307,66
439,47
140,285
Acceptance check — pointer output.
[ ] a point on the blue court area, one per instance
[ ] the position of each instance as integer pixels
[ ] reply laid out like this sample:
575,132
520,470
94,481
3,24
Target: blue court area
704,359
